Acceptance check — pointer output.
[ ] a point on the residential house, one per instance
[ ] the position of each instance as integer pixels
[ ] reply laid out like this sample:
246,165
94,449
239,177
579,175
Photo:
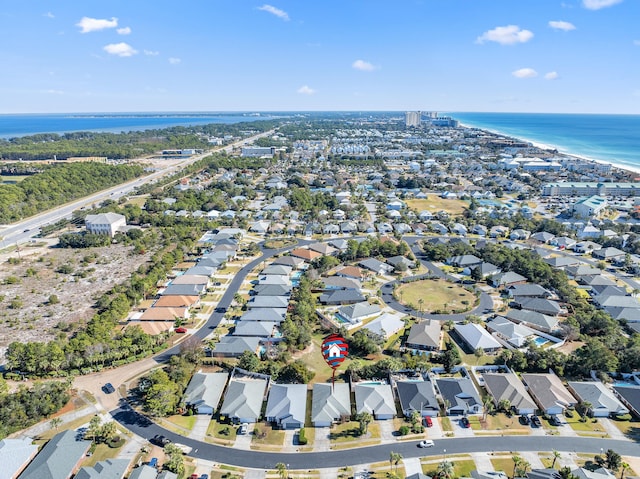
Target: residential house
543,237
164,314
271,290
146,472
259,329
425,336
519,234
459,229
277,269
378,267
341,296
337,282
507,279
540,305
479,230
105,223
459,395
107,469
59,458
401,262
507,386
533,319
204,392
330,403
322,248
376,399
287,405
586,247
352,272
386,325
417,396
485,269
292,261
276,315
603,401
630,397
355,313
608,254
277,302
15,454
548,392
464,261
184,290
305,254
528,290
243,399
515,334
476,337
234,346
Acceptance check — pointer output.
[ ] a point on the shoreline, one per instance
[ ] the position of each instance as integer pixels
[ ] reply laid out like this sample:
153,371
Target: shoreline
544,146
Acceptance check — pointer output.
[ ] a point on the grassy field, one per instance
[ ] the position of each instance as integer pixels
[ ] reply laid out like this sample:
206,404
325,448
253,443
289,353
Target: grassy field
219,432
462,467
504,464
312,357
436,295
434,204
272,437
348,432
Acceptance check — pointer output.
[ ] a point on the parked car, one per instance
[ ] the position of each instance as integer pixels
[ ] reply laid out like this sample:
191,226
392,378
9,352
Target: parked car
204,476
153,462
244,427
160,441
181,330
554,420
524,420
464,422
535,421
426,443
427,421
108,388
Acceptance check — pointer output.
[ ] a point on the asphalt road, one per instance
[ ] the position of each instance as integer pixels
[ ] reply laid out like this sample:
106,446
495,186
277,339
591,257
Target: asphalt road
143,427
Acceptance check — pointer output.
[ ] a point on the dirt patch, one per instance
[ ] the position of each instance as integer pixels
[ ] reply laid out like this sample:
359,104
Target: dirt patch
43,289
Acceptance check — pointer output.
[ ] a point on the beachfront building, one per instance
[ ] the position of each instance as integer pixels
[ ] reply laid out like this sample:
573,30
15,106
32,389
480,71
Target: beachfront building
589,207
590,189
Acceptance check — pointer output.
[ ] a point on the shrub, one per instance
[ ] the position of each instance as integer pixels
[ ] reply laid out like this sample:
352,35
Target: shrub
116,442
404,430
623,417
302,438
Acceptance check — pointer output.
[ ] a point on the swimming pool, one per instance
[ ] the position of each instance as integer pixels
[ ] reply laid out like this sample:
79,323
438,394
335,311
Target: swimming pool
540,341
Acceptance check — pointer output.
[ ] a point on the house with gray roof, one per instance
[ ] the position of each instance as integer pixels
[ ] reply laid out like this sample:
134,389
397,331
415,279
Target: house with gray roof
630,397
355,313
204,392
460,395
582,270
107,469
507,278
259,329
476,337
59,458
417,396
289,260
464,261
287,405
201,271
386,325
15,454
603,401
276,315
167,475
515,334
560,261
271,290
398,261
425,336
376,399
485,269
340,282
378,267
539,305
234,346
268,302
533,319
630,315
184,290
277,269
608,254
341,296
144,472
330,403
548,392
507,386
528,290
243,399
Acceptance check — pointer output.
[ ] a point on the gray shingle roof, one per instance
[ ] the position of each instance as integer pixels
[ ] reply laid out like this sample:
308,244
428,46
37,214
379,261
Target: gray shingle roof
108,469
205,389
508,386
417,396
425,334
244,398
14,454
460,392
58,457
548,390
600,397
287,403
375,399
330,403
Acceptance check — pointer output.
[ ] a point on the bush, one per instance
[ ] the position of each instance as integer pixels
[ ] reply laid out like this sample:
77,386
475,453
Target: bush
302,438
404,430
623,417
116,442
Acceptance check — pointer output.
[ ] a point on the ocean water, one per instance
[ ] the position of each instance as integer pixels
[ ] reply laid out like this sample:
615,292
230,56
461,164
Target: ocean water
610,138
12,126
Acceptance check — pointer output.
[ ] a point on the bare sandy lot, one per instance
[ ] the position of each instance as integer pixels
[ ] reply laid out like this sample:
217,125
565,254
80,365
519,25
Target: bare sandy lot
43,288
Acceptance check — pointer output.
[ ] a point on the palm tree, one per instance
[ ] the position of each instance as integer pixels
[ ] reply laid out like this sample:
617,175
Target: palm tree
487,402
517,460
556,456
394,459
282,470
624,466
55,423
445,470
523,468
421,304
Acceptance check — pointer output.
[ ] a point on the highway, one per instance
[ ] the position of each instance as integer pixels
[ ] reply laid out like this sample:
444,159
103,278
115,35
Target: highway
27,229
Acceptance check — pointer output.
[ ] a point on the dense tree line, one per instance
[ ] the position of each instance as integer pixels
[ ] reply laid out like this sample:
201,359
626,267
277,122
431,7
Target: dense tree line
83,240
59,184
165,386
374,247
298,326
26,406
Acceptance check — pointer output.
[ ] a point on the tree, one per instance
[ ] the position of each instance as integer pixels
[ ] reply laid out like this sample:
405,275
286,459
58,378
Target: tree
517,461
93,431
415,418
282,470
488,406
55,423
249,361
364,419
556,456
444,470
394,459
108,431
296,372
613,460
504,405
565,473
523,468
624,466
174,460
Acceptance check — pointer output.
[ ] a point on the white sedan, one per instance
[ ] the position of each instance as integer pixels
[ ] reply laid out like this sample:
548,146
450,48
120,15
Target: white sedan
426,443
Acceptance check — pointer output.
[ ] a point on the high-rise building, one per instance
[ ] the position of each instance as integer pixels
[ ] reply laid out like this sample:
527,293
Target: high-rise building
412,119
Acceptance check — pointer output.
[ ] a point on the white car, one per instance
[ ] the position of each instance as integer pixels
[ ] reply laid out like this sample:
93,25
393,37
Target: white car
244,427
426,443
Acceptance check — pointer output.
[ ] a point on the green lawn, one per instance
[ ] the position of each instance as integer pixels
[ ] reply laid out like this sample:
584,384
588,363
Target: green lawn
101,452
183,422
588,428
265,435
504,464
348,432
631,429
437,295
461,467
446,424
222,432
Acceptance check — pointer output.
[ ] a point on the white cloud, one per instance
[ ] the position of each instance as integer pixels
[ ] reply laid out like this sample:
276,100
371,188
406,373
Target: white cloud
561,25
551,76
525,73
49,15
174,60
120,49
124,31
151,53
363,66
275,11
507,35
88,24
598,4
306,90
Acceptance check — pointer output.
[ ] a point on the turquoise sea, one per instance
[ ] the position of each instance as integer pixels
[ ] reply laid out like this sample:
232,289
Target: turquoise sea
609,138
12,126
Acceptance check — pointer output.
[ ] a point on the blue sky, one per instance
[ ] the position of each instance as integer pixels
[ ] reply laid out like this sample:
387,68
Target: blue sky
578,56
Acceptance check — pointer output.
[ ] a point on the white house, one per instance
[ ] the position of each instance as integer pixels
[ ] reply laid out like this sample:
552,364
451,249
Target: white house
105,223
